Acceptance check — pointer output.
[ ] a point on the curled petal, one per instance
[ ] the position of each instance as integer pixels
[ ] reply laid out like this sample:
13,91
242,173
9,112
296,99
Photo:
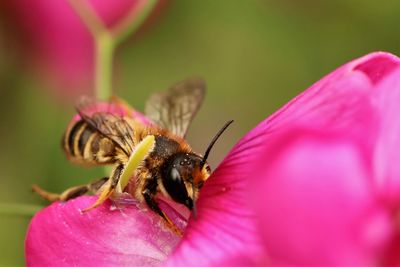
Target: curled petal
337,95
61,235
377,66
225,227
316,204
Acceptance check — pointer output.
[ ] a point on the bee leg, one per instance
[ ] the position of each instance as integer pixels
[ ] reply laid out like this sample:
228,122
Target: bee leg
51,197
71,192
96,185
149,196
80,190
108,189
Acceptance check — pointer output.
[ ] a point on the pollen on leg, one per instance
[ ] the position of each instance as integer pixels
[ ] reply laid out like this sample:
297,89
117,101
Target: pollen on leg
104,195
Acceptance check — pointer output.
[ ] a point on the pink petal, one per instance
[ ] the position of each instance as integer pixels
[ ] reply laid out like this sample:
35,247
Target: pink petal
113,108
225,227
315,202
61,235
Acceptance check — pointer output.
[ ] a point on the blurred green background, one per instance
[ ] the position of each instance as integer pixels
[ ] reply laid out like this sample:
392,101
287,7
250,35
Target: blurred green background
254,55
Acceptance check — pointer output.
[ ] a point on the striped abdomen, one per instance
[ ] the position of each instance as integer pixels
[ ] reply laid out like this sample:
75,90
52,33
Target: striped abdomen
84,145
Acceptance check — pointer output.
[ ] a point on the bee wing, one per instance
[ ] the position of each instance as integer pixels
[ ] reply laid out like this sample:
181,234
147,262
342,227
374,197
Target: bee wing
175,108
106,119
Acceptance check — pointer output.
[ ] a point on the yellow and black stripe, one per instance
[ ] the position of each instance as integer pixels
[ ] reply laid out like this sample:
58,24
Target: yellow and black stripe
85,145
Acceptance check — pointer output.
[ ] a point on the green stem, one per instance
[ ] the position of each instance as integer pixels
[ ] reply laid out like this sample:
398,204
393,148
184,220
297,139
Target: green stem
104,65
19,209
134,20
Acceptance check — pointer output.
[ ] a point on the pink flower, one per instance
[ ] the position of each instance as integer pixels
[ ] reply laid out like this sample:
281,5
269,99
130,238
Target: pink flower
317,183
61,46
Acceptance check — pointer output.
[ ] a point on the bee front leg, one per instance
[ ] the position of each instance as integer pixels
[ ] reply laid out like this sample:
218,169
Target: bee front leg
149,194
71,192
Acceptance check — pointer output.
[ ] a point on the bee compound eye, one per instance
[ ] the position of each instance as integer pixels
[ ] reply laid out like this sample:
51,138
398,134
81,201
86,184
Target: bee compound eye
175,186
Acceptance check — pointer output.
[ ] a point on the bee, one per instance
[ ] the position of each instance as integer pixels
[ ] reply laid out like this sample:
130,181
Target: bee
171,168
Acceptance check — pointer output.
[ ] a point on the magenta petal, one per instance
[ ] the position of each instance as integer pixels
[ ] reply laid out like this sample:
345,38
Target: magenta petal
226,225
61,235
316,203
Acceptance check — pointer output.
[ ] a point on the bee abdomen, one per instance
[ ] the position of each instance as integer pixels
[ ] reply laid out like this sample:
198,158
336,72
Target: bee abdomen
71,136
83,144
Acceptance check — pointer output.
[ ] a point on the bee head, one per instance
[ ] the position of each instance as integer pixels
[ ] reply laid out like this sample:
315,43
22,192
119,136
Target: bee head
183,176
185,173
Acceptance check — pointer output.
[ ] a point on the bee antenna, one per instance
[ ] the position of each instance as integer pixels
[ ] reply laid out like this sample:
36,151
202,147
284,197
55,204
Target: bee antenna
213,142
